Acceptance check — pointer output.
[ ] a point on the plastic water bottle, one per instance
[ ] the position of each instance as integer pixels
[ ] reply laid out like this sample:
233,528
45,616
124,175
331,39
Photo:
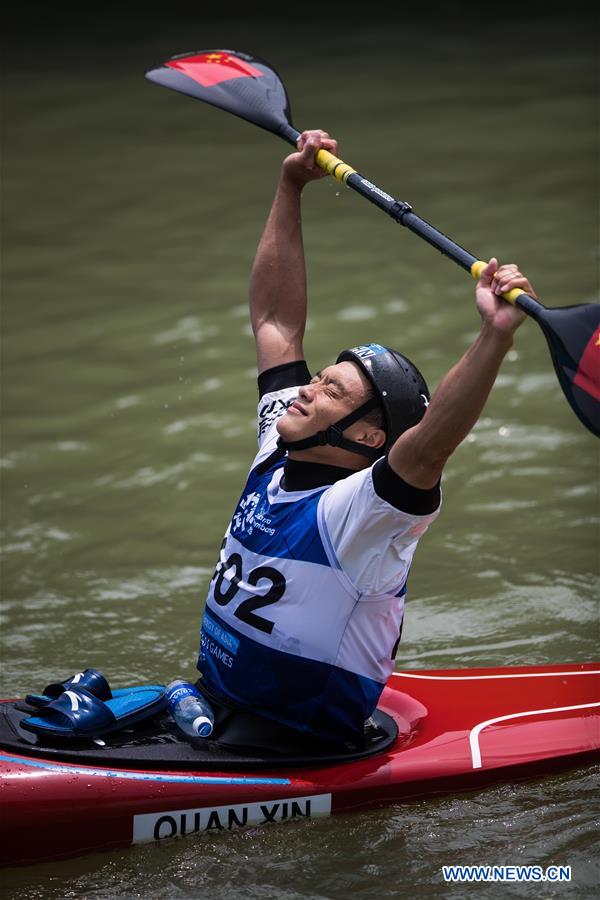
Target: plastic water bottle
191,712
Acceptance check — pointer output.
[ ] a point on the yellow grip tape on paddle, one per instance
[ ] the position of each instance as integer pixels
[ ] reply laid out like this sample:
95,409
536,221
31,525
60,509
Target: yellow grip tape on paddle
476,270
333,165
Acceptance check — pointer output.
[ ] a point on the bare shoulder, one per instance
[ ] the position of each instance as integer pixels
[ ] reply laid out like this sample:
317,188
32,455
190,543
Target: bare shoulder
274,347
416,459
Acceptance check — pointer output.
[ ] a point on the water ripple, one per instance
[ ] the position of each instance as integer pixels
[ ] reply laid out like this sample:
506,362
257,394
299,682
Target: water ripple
148,476
356,314
190,329
35,539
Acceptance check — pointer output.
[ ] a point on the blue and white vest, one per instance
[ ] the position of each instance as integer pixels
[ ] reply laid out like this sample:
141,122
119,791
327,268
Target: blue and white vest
285,631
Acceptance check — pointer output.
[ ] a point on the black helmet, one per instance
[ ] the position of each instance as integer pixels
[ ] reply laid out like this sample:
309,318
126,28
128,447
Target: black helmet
401,389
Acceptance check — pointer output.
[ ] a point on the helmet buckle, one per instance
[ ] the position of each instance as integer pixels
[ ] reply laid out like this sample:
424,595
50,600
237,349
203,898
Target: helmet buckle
333,436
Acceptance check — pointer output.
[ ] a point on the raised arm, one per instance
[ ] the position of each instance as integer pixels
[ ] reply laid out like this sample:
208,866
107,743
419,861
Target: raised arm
278,280
419,455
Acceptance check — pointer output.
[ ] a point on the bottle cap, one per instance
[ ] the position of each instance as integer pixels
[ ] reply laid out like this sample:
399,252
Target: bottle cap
203,726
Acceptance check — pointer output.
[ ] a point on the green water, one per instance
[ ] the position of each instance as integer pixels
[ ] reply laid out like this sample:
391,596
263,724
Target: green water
130,219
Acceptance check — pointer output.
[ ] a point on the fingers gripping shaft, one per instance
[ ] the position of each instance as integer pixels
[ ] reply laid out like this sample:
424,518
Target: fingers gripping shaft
511,296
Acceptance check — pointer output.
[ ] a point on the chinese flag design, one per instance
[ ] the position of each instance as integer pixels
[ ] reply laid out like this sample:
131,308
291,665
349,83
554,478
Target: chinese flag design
212,68
587,376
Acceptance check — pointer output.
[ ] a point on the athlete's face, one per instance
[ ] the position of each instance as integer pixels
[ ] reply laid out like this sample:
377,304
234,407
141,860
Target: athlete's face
332,394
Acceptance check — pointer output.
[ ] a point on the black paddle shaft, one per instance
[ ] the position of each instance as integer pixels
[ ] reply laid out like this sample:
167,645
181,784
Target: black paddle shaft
403,213
571,332
400,211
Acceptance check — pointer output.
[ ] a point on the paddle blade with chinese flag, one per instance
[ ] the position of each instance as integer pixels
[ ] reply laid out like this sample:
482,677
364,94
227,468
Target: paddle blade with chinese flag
236,82
573,336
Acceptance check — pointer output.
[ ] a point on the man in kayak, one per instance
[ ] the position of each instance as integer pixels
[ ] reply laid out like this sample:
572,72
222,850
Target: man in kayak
305,609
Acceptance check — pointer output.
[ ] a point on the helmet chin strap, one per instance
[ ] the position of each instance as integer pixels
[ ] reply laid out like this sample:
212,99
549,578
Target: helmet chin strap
333,436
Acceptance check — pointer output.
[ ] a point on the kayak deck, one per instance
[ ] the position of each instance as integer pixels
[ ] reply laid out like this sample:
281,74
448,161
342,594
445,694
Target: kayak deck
457,730
157,745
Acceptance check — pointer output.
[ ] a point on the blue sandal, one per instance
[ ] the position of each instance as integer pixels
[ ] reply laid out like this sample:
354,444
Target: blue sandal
77,713
91,680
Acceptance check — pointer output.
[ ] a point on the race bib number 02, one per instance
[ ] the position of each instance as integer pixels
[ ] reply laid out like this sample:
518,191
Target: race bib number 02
228,579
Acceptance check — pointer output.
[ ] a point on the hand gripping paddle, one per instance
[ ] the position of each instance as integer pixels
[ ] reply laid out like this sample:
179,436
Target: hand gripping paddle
250,88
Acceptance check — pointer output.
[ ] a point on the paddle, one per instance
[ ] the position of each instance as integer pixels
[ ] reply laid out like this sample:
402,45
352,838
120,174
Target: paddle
250,88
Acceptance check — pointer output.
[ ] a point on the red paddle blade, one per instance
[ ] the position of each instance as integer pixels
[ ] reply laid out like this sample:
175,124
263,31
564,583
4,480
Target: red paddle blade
573,335
228,79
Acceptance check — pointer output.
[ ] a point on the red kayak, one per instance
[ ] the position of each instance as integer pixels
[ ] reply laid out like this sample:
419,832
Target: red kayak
445,731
